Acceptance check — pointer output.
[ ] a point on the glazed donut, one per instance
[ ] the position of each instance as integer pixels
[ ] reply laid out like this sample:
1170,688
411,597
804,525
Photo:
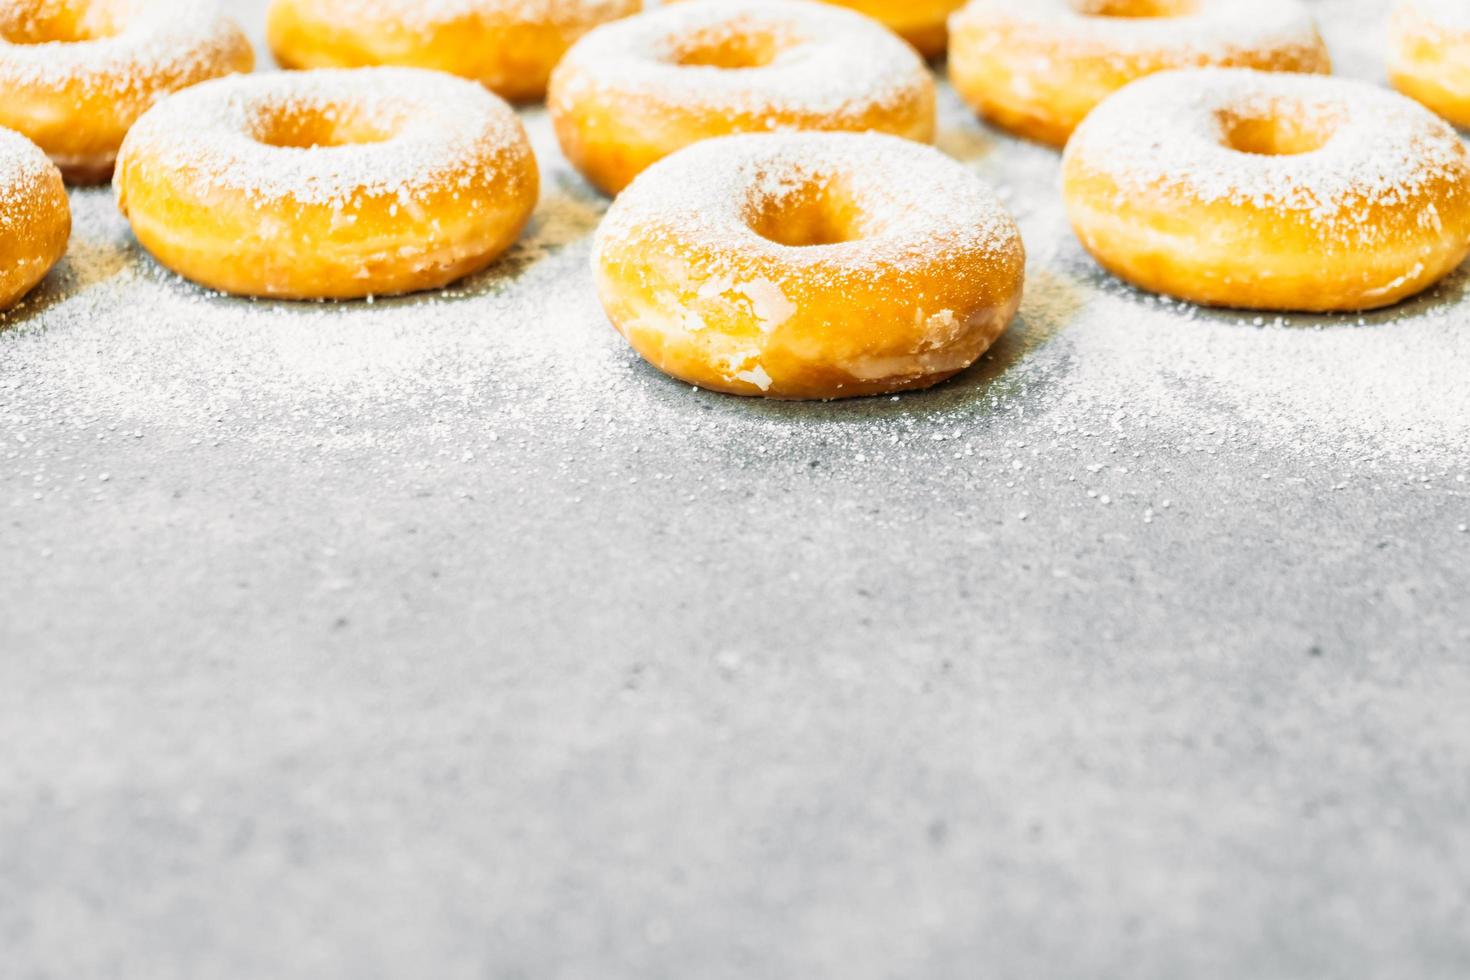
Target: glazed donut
1233,187
35,217
75,74
809,265
328,184
632,92
1037,68
509,46
1429,55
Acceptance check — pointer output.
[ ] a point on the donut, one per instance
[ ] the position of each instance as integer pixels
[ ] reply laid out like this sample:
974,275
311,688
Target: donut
1429,55
634,91
1233,187
509,46
76,74
35,217
809,265
328,184
1038,68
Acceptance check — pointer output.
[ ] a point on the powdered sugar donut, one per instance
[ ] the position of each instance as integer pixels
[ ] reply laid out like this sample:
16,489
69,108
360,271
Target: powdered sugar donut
75,74
328,184
1429,55
510,46
35,217
1269,191
809,265
632,92
1037,68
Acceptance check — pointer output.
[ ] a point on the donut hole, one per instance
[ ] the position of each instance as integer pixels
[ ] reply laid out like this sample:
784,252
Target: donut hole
815,214
40,22
724,48
1135,8
1276,134
306,129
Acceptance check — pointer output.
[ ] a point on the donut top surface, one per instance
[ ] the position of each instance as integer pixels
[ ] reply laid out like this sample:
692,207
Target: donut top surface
751,54
1212,29
426,14
908,202
111,43
327,136
22,166
1446,13
1311,144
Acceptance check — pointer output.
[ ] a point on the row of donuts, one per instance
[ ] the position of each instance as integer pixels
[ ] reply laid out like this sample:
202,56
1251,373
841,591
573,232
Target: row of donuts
348,183
75,74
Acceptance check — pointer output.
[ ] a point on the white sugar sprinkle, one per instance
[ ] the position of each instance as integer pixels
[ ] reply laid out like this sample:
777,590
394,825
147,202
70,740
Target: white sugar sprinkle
1166,134
828,60
216,131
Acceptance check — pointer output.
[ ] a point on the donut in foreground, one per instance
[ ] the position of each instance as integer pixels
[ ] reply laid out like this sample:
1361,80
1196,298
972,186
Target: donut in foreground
509,46
76,74
632,92
35,216
1429,55
1038,68
809,265
1232,187
328,184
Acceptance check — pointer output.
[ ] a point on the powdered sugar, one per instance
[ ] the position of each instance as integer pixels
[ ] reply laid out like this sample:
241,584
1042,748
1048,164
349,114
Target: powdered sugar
1451,14
22,166
1167,132
428,15
916,204
145,44
1213,31
824,59
433,123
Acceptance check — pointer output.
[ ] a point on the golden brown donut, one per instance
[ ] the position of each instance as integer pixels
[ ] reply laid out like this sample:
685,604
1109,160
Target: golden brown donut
1038,67
632,92
510,46
809,265
328,184
75,74
35,217
1270,191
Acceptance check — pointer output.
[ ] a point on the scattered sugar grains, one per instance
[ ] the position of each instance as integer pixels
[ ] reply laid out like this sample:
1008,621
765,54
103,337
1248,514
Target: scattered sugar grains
519,363
1213,31
422,14
829,60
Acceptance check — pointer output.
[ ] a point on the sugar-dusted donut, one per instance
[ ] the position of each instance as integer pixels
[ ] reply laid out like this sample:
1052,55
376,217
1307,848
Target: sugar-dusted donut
809,265
1429,55
35,217
328,184
510,46
75,74
634,91
1234,187
1037,68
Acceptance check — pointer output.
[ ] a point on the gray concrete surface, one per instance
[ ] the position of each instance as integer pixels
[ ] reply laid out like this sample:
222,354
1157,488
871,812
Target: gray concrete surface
441,637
